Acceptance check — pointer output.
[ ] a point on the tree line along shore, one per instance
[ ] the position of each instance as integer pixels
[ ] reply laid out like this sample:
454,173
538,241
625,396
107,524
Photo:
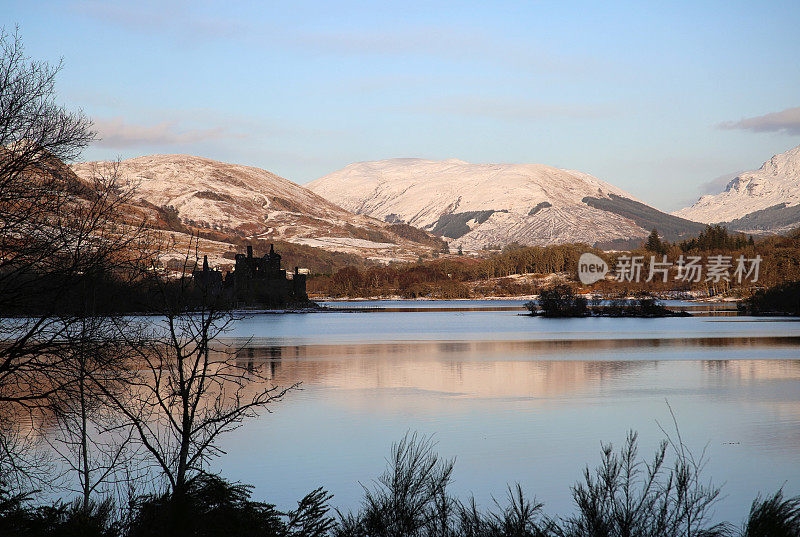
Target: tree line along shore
517,270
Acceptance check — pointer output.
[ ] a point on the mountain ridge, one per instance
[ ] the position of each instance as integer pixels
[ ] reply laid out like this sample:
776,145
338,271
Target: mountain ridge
765,199
479,205
249,202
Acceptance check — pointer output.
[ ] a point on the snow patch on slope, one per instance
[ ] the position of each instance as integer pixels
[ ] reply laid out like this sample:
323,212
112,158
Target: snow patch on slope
249,202
216,193
420,192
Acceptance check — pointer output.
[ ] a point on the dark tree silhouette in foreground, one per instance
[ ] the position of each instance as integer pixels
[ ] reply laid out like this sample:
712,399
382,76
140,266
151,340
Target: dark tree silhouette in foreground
186,388
58,235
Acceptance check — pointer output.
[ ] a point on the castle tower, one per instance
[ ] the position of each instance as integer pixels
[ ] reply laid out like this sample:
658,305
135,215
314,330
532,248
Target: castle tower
273,259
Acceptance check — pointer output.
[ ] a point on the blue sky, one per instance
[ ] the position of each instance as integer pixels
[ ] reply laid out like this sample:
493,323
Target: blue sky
658,98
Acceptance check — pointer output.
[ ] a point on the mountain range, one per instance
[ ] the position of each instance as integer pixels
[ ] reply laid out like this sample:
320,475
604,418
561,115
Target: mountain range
396,209
483,205
247,202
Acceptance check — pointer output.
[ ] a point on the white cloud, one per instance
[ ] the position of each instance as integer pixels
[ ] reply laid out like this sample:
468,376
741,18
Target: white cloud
786,121
116,133
718,184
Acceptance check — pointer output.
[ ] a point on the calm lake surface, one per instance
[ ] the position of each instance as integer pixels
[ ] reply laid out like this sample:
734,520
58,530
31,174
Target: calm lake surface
515,398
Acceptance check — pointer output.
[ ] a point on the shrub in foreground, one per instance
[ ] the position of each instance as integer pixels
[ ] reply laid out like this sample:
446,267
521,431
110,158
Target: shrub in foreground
213,506
625,496
773,517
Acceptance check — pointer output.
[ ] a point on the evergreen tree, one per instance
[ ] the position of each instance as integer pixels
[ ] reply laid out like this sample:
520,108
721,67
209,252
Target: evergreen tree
654,243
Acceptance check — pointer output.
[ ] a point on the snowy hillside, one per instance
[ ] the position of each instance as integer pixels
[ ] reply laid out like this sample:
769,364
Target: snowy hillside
249,202
764,199
477,205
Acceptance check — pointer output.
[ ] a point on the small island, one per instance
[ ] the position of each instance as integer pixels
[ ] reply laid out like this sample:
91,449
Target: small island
561,301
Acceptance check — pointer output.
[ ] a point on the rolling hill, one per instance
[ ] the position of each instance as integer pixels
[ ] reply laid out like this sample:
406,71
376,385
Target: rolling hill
251,203
480,205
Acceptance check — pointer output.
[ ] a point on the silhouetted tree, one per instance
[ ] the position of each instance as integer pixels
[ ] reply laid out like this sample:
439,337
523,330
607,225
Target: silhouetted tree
59,236
559,301
84,434
186,392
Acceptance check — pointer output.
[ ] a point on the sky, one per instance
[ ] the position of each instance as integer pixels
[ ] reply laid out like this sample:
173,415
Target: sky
662,99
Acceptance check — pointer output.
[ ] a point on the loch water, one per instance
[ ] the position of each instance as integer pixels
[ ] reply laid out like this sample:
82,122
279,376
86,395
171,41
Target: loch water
515,398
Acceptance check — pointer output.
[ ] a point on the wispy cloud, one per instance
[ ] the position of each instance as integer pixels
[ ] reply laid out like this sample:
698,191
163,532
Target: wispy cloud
718,184
512,110
116,133
786,121
179,18
410,40
467,45
190,22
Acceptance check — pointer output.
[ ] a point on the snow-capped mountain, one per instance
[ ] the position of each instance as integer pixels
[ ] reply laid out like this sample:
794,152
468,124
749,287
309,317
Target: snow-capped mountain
252,202
766,199
477,205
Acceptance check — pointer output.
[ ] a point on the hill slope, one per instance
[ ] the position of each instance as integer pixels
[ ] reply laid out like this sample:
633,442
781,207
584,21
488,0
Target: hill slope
250,202
476,205
766,199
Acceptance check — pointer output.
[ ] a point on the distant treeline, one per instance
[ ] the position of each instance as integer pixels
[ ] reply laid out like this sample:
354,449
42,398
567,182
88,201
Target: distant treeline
108,293
780,262
445,277
464,276
782,299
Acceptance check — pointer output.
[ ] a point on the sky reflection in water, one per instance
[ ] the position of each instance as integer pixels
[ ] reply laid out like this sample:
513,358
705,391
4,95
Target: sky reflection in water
517,399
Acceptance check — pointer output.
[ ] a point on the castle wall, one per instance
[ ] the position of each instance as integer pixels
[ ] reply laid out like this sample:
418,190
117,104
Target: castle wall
262,281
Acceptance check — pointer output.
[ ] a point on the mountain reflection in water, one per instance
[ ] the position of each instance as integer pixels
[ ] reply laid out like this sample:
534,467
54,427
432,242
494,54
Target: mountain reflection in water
516,399
473,368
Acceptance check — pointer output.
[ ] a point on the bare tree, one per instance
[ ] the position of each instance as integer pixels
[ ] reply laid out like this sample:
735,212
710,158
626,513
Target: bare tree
34,134
60,236
97,455
36,137
188,388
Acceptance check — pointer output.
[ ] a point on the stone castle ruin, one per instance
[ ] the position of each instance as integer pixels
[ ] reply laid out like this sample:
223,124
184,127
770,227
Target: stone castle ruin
256,281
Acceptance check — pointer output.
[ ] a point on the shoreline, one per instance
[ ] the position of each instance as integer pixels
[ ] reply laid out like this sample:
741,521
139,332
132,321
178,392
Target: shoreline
397,298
